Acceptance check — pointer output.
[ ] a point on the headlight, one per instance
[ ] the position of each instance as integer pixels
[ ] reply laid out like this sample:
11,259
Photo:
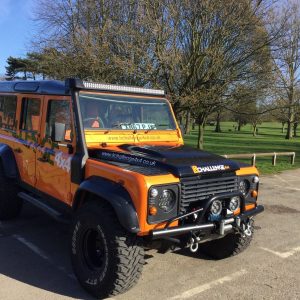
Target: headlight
167,200
244,187
216,207
234,203
162,203
255,179
153,193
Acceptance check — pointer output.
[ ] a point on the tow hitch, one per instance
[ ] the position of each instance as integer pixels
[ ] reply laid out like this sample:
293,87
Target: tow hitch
247,228
194,243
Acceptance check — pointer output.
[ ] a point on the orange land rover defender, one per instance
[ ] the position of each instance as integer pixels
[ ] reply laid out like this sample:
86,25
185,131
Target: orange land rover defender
112,158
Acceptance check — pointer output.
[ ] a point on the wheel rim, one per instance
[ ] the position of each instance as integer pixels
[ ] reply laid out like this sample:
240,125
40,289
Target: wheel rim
94,250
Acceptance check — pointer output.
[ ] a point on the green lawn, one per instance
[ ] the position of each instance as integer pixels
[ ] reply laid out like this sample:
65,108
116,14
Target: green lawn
269,139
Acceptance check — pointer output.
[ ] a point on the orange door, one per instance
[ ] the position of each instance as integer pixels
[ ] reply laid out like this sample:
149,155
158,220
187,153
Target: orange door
56,149
28,137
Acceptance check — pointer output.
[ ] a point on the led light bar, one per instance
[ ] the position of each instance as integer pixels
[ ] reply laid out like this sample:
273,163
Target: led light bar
121,88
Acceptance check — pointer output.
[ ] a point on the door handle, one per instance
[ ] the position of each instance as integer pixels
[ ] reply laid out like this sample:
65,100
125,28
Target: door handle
18,150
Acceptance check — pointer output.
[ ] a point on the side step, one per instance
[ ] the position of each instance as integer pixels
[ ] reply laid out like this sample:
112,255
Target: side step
38,202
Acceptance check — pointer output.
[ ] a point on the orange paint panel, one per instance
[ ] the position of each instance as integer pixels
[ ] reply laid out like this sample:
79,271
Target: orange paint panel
101,136
27,142
247,171
250,206
35,121
161,136
97,137
237,212
55,178
247,207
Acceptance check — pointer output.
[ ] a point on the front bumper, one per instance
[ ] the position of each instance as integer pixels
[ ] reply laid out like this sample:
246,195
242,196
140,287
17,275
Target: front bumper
221,227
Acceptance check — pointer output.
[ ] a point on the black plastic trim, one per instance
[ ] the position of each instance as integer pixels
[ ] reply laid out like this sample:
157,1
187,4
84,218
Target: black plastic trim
39,203
253,186
81,155
48,200
250,213
8,161
41,87
162,216
113,193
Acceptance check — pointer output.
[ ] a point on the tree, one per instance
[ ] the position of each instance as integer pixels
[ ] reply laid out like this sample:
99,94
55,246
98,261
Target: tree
287,61
297,112
218,120
280,112
76,38
15,65
204,49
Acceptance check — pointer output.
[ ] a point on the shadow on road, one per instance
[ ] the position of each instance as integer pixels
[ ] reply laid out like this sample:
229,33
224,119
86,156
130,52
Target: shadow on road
34,251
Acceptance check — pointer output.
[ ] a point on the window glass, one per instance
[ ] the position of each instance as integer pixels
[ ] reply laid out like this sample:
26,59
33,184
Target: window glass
155,115
59,127
119,112
31,114
8,107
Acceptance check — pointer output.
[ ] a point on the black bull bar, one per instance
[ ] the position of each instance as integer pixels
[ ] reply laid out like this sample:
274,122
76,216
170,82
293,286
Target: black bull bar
173,231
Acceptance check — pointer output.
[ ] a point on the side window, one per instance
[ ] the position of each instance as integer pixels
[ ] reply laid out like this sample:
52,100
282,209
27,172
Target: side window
8,107
31,114
59,127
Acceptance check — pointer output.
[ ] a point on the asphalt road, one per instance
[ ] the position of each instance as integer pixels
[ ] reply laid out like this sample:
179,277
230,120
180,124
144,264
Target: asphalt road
34,261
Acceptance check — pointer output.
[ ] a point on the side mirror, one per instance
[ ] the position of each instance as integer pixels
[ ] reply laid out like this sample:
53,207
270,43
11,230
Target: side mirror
58,132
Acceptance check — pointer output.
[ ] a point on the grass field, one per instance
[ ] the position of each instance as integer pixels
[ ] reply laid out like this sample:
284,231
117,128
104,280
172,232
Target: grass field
269,139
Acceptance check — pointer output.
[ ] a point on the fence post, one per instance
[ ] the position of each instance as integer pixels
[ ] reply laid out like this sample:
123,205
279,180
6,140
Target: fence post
293,158
274,159
254,159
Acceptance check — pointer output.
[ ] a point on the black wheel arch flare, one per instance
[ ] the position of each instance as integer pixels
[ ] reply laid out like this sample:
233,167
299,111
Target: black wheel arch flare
115,194
8,162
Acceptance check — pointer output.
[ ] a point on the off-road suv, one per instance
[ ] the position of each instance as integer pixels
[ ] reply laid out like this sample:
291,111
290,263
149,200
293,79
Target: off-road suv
112,157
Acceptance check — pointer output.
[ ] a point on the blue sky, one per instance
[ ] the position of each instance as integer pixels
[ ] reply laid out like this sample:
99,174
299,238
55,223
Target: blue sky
16,29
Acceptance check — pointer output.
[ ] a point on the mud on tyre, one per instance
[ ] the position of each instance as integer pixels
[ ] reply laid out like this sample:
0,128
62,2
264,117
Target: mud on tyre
106,259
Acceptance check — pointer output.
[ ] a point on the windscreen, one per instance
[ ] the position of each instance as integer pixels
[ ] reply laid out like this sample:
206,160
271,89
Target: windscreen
101,111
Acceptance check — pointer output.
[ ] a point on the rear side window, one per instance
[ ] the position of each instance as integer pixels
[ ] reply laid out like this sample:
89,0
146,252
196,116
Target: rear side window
31,114
59,127
8,107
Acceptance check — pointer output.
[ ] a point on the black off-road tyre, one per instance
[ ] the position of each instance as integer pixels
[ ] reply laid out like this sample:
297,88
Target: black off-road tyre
10,203
107,260
230,245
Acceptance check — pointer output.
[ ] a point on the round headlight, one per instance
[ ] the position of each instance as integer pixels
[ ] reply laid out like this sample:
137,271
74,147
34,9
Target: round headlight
216,207
234,203
255,179
244,187
167,200
153,193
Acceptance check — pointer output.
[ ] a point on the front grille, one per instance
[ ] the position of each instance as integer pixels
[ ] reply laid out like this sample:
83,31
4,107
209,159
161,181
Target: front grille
195,189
